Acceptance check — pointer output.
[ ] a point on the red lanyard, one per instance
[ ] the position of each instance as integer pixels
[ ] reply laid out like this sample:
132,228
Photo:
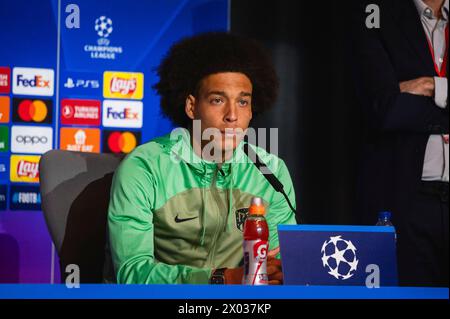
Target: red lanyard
443,71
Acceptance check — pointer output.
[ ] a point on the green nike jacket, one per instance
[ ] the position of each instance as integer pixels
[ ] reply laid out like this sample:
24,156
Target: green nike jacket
174,217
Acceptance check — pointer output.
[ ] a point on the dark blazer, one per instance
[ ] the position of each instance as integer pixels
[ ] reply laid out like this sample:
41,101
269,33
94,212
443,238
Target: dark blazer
397,124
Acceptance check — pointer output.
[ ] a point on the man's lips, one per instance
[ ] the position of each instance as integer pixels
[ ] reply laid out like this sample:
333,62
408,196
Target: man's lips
230,133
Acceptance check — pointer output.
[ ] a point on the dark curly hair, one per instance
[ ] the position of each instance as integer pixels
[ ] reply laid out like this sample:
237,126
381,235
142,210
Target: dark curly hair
191,59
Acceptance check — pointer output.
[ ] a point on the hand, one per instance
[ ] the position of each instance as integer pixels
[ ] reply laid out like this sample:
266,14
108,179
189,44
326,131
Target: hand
233,276
420,86
274,268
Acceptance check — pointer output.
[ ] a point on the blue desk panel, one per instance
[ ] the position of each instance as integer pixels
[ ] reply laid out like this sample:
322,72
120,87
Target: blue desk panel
92,291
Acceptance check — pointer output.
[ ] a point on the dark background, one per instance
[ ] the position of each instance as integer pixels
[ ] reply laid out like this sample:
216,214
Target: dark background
317,113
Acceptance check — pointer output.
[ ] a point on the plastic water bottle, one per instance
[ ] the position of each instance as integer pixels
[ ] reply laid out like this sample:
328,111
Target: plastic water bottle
384,219
256,235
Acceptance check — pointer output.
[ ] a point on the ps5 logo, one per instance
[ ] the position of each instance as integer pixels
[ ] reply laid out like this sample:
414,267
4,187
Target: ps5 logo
81,83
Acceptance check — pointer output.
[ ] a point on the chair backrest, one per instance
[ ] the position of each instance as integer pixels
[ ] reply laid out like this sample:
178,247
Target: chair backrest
75,190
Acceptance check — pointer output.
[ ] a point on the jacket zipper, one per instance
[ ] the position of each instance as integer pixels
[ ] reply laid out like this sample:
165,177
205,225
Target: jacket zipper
212,251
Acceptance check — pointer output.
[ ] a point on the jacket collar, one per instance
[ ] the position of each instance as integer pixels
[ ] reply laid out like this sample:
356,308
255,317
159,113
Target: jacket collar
181,150
425,10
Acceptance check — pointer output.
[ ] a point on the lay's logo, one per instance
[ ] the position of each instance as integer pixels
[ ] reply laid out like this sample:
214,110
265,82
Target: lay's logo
123,85
24,168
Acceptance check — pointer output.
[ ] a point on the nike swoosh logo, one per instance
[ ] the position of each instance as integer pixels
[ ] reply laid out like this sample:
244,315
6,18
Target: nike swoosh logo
181,220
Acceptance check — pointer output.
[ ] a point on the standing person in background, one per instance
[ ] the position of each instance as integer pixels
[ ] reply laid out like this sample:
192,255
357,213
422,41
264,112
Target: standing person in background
402,79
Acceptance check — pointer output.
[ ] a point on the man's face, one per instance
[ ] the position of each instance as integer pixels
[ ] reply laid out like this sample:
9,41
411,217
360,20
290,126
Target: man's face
224,103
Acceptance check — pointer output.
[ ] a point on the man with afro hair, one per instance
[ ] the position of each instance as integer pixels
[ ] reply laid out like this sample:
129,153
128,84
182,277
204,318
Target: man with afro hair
179,202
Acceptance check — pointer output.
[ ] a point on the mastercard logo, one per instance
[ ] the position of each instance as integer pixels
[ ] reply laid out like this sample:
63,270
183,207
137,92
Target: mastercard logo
122,142
35,111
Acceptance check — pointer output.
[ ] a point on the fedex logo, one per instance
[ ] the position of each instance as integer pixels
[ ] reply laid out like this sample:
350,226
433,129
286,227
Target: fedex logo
122,113
33,81
127,114
37,81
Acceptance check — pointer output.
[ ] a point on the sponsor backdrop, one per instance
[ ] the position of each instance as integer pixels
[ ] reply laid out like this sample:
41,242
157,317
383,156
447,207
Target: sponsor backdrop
77,75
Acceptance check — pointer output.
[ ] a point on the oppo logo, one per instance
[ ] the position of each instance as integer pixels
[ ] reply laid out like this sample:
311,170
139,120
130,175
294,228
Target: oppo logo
27,139
31,139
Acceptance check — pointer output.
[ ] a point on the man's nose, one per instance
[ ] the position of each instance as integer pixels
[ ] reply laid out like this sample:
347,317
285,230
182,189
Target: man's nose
231,113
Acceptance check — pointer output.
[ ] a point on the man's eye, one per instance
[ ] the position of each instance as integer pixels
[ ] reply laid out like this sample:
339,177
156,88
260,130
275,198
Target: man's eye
243,103
216,101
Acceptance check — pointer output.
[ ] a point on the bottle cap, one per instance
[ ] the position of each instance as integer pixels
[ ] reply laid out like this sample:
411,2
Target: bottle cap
256,206
384,215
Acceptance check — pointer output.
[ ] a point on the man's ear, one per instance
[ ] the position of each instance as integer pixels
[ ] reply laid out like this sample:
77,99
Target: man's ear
189,106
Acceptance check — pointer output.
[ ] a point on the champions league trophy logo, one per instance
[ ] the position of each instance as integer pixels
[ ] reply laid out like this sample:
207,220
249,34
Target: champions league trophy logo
103,27
339,257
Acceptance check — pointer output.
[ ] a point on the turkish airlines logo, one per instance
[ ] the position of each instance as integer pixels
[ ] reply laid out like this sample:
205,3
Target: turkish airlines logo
122,113
80,139
123,85
5,80
80,112
33,81
25,168
31,139
120,141
32,111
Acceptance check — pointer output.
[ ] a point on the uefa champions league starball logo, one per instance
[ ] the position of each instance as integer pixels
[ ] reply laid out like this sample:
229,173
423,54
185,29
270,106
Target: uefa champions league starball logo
103,26
339,257
103,50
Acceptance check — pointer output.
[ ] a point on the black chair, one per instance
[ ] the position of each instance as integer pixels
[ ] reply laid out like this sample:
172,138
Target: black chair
75,190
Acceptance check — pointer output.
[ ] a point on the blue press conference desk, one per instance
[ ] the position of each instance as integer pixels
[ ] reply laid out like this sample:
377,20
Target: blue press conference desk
93,291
